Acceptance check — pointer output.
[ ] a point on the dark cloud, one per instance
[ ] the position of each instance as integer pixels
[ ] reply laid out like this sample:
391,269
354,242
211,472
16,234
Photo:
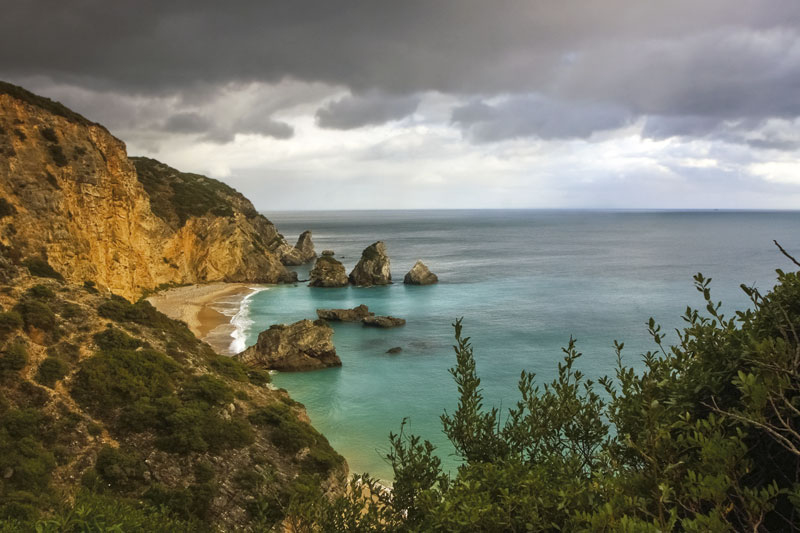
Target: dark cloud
365,110
187,123
534,116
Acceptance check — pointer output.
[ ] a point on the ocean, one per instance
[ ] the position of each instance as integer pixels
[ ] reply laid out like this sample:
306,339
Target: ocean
524,281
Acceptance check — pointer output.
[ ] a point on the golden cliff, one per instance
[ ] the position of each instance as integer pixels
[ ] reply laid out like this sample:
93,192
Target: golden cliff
70,194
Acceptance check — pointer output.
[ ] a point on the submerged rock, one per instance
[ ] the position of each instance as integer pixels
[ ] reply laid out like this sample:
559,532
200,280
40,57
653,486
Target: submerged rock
373,267
396,349
304,345
328,272
383,321
345,315
303,251
420,275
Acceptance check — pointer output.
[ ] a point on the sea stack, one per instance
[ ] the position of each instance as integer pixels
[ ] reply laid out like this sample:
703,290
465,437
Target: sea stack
420,275
345,315
303,251
304,345
373,267
328,272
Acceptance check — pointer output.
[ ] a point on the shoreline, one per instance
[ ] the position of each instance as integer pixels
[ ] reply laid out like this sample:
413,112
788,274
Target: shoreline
208,310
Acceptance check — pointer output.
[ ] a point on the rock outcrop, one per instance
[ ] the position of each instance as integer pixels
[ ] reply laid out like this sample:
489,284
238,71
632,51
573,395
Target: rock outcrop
302,253
395,350
373,267
420,275
345,315
73,197
327,252
328,272
304,345
383,321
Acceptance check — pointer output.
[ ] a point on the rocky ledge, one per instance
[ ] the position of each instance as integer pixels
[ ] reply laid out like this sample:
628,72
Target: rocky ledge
304,345
383,321
420,275
355,314
328,272
373,267
302,253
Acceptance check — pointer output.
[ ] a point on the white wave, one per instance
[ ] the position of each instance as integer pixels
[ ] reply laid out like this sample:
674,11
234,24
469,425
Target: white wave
241,322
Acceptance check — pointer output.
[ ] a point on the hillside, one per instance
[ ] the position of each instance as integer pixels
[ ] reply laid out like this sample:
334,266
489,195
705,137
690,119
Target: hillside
69,195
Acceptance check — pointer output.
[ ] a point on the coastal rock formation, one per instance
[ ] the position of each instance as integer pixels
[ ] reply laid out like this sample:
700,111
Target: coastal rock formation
302,253
71,196
304,345
327,252
373,267
420,275
395,350
328,272
383,321
345,315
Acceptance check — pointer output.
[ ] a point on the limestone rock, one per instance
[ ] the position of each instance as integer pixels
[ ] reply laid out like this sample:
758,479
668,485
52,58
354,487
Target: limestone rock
73,196
345,315
373,267
395,350
420,275
304,345
327,252
302,253
383,321
328,272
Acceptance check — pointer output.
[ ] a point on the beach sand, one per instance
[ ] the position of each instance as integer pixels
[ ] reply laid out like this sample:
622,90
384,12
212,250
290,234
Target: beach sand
202,308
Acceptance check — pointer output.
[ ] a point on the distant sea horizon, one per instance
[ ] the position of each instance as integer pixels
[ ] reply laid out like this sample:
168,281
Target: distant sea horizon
524,281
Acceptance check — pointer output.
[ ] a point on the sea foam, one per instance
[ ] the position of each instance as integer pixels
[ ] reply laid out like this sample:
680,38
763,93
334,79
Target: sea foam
241,322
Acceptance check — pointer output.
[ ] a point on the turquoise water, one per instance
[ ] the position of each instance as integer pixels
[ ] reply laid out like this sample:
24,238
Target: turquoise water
524,281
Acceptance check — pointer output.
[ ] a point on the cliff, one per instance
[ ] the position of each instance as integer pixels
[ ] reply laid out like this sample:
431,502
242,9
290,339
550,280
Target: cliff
69,194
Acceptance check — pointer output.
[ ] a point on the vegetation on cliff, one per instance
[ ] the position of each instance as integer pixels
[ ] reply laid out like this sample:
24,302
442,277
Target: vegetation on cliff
705,438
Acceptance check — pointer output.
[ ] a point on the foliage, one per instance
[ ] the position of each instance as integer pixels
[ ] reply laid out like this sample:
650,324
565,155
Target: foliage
10,321
142,312
230,368
36,314
705,438
51,370
13,359
115,339
39,266
6,208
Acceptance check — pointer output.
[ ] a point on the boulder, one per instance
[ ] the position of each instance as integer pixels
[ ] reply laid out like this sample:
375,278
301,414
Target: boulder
383,321
345,315
304,345
328,272
420,275
373,267
303,251
395,350
327,252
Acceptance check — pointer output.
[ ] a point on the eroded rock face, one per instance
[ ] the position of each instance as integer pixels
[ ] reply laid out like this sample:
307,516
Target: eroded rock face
420,275
373,267
383,321
303,251
304,345
345,315
77,199
328,272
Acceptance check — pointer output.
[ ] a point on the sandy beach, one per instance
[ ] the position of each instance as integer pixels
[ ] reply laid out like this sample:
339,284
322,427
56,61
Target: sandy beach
202,306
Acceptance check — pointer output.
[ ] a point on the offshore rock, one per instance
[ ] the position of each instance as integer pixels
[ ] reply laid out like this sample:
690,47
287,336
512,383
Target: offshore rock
395,350
327,252
304,345
373,267
302,253
328,272
355,314
420,275
383,321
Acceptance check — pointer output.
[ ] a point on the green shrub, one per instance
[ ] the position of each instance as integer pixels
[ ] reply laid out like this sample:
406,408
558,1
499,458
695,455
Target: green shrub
190,503
121,469
57,153
66,351
90,287
39,267
112,339
36,314
49,134
10,321
13,359
51,370
41,292
207,389
229,367
6,208
258,377
142,312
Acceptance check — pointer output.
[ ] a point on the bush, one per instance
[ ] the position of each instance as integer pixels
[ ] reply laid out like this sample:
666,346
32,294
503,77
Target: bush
57,153
10,321
51,370
39,267
229,367
258,377
207,389
41,292
121,470
90,286
36,314
6,208
142,312
113,339
13,359
49,134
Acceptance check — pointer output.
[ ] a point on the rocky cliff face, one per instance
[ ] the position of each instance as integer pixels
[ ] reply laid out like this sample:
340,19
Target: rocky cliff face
304,345
71,195
303,251
373,267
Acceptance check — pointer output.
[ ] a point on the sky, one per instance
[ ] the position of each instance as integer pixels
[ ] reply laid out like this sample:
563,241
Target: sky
373,104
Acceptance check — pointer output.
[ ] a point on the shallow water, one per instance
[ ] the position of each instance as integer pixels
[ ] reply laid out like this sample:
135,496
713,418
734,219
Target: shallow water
524,281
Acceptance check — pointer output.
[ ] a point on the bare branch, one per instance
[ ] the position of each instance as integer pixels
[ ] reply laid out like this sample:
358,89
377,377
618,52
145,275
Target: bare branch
784,252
